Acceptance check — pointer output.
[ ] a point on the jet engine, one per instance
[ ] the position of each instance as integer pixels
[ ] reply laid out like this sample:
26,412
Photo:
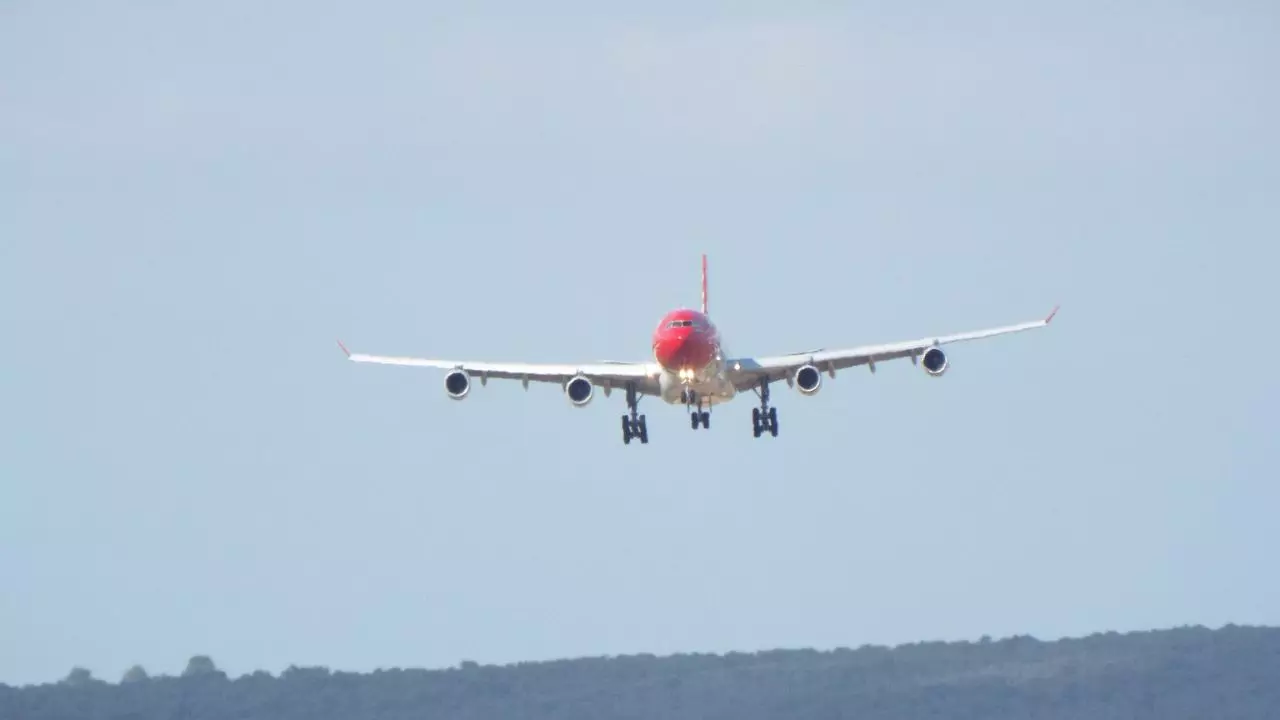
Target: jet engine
457,384
934,361
808,379
580,391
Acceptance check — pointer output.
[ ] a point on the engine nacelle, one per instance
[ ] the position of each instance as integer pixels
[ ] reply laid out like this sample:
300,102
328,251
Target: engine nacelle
457,383
808,379
934,361
580,391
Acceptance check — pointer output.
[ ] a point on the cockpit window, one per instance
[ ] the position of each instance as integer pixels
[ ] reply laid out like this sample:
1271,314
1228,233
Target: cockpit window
679,323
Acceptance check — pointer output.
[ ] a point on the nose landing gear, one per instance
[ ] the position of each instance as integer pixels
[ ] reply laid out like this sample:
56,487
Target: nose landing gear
699,415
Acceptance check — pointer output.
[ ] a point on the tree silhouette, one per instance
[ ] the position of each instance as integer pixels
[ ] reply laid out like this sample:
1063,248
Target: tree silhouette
78,677
200,665
1180,674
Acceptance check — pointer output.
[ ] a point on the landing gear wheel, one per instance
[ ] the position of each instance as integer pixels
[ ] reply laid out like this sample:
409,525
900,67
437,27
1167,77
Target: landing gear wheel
635,428
633,424
694,405
764,417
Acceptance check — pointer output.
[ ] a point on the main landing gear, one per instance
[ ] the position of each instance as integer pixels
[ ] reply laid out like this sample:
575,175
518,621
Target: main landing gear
633,424
699,415
764,417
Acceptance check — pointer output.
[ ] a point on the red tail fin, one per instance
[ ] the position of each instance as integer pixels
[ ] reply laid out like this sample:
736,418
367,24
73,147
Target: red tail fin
704,283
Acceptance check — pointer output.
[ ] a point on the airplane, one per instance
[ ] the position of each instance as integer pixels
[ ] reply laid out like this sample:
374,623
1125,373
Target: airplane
692,367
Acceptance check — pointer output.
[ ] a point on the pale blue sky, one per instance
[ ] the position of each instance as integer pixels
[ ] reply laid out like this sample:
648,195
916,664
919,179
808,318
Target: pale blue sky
196,199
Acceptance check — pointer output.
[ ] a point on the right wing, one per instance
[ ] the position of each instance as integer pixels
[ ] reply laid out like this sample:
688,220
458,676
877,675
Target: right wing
747,372
609,374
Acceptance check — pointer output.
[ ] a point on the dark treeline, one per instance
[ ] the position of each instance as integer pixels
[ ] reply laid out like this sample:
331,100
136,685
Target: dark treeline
1191,673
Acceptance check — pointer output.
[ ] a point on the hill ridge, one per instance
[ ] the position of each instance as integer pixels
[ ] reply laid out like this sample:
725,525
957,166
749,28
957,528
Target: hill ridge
1189,671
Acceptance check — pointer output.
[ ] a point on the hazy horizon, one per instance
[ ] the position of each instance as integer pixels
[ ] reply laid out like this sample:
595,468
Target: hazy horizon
199,657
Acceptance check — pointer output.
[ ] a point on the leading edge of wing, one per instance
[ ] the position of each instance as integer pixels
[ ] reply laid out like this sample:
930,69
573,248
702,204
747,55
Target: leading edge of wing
512,369
992,332
885,351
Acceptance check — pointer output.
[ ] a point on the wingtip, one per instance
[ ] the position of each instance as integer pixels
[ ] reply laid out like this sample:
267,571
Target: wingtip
1051,314
345,351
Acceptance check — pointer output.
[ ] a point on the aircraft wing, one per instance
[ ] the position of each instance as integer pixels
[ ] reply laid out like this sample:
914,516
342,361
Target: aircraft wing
746,372
607,374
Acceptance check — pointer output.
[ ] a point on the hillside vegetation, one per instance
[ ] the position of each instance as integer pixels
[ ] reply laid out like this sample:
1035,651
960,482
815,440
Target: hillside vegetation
1191,673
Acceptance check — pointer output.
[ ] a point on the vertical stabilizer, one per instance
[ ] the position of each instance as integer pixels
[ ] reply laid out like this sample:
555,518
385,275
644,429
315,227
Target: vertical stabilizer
704,283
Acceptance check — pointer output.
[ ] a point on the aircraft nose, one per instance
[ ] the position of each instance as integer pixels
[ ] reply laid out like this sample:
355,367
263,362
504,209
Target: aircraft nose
670,349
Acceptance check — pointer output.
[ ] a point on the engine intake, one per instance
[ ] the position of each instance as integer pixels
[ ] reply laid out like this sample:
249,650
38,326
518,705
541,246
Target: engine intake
580,391
457,383
808,379
934,361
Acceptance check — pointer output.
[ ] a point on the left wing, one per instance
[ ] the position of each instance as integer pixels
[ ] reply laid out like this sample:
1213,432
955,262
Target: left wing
747,372
608,374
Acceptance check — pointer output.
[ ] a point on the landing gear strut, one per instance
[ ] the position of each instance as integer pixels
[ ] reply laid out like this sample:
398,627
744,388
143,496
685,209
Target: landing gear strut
633,424
764,417
699,415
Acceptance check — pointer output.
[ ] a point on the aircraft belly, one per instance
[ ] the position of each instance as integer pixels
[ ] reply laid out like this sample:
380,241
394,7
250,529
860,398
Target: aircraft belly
713,389
721,388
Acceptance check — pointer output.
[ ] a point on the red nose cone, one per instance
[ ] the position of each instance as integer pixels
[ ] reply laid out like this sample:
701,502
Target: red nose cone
678,348
670,351
685,340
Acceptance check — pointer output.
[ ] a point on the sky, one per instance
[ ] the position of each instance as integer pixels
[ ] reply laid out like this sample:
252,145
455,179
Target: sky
198,199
